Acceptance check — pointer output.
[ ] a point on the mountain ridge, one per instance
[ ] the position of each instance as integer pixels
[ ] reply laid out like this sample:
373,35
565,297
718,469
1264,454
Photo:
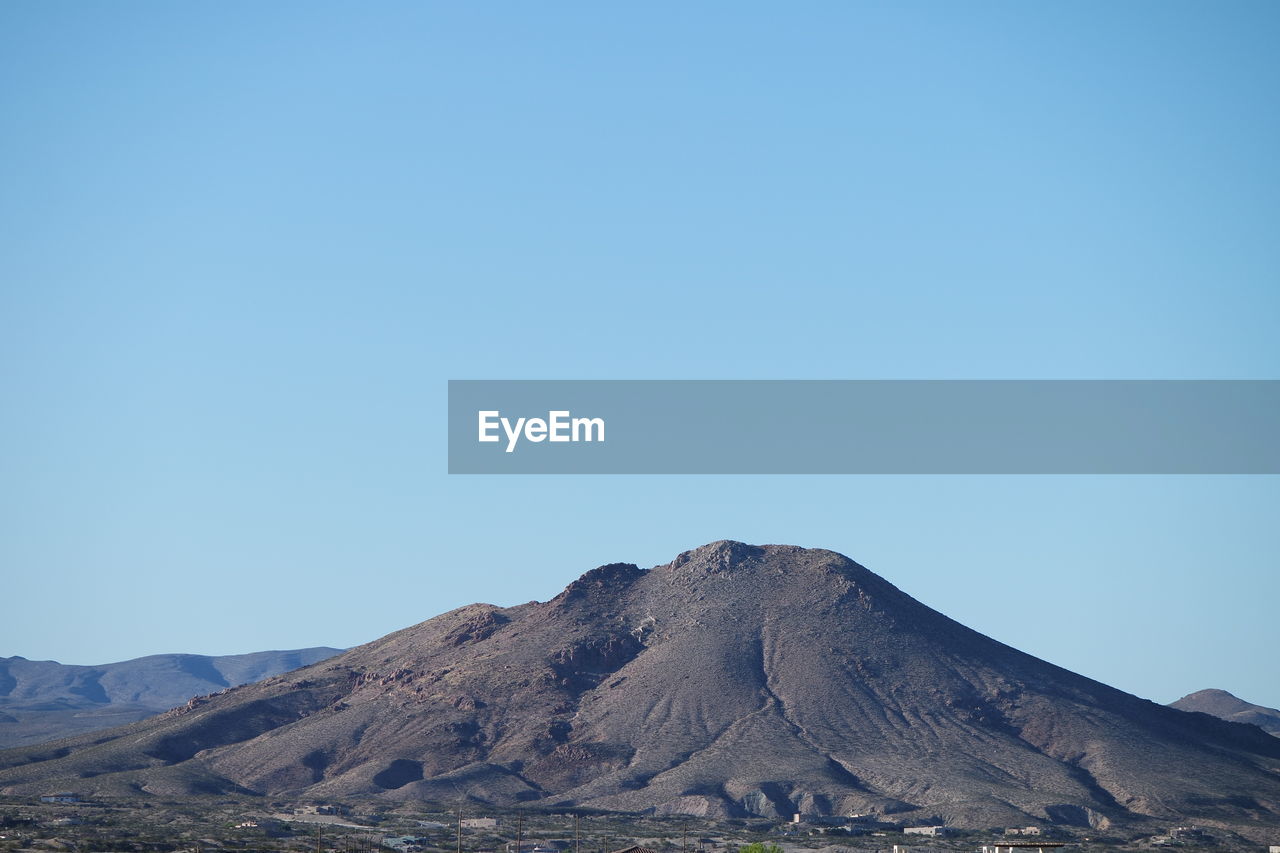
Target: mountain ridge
43,700
736,680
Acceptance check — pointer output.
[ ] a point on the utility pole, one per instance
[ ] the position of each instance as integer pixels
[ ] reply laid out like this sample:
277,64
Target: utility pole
577,833
519,832
459,829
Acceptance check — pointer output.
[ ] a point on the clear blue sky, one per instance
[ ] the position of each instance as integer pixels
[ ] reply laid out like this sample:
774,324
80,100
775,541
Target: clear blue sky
243,246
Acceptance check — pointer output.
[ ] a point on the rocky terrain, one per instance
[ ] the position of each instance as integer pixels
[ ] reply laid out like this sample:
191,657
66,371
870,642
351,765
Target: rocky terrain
43,700
1225,706
733,681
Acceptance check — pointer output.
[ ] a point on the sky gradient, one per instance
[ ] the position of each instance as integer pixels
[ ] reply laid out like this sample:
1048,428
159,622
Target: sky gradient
243,247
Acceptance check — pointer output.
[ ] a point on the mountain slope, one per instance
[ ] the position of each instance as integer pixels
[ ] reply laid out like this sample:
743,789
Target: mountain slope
1222,704
734,680
43,700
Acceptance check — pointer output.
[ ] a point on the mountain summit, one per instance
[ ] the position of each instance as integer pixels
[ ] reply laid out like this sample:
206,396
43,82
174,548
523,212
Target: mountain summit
1222,704
734,680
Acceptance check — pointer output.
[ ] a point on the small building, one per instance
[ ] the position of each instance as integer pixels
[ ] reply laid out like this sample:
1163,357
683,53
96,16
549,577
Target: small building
61,797
318,809
1025,830
924,830
479,823
867,822
531,847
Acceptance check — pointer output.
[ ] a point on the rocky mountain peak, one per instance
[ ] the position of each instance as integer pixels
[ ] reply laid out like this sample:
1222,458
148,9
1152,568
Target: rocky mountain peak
608,579
722,556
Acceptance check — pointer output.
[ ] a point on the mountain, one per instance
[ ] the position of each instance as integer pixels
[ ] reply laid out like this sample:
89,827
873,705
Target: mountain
43,700
735,680
1222,704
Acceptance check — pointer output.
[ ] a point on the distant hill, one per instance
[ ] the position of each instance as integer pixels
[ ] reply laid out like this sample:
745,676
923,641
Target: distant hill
734,681
44,700
1222,704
